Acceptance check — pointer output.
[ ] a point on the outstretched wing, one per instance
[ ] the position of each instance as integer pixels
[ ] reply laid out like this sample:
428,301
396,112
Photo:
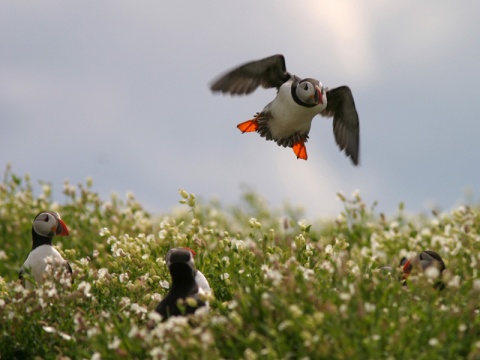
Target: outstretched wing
346,126
269,72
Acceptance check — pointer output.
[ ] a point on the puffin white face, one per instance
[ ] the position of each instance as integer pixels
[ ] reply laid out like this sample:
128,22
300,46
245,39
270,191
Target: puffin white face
45,224
49,224
309,92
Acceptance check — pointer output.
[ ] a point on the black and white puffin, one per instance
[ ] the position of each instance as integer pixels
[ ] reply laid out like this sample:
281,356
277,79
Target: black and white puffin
287,119
187,282
45,226
423,261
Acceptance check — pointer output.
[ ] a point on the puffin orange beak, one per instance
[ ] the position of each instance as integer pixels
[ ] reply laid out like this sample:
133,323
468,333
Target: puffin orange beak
406,270
320,97
62,229
191,251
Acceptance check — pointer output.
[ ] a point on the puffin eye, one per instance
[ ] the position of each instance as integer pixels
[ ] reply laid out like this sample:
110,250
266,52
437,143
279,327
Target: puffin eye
46,218
306,86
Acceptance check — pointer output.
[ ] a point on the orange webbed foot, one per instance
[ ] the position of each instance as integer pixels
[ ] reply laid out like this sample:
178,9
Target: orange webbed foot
248,126
300,150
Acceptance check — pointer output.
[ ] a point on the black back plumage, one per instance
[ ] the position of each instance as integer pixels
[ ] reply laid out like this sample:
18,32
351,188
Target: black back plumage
183,286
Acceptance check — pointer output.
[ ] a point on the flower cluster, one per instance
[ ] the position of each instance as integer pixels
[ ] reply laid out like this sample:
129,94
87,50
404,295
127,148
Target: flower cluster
284,287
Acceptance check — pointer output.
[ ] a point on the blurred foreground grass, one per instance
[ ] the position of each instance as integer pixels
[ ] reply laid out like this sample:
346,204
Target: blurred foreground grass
284,288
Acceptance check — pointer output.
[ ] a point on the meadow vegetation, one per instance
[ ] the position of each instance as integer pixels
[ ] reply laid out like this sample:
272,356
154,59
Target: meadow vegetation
284,288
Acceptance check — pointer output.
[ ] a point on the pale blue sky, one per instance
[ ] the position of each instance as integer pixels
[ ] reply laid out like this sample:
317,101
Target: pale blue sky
118,90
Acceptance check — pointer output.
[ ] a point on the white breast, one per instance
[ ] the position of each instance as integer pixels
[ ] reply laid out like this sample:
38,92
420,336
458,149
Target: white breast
288,117
38,259
203,286
202,282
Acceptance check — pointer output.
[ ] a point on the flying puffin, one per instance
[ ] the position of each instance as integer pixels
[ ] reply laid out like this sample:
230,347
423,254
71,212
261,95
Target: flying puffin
187,282
424,260
287,119
45,226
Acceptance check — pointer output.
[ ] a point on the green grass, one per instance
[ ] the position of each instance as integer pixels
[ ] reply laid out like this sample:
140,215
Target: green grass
284,288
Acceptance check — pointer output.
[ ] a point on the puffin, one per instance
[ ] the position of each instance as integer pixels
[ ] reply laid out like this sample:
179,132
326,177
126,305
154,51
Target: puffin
187,282
45,226
424,260
288,118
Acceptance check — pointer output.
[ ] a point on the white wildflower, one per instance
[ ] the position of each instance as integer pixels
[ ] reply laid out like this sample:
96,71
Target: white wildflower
433,342
394,224
162,234
369,308
356,194
64,336
158,353
426,232
239,245
153,315
102,272
303,225
92,331
295,310
476,284
133,331
123,277
124,301
119,252
224,276
206,338
327,265
165,284
49,329
114,344
104,232
52,291
138,309
156,297
329,249
85,287
455,282
432,272
284,324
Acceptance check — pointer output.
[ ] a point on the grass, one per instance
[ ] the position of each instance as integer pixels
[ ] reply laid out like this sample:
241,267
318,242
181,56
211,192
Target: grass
284,288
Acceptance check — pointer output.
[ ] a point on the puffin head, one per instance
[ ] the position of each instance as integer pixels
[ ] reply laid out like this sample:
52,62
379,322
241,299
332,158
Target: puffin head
49,224
308,92
421,262
180,255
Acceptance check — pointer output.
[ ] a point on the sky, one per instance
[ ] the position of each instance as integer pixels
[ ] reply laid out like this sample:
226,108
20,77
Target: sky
119,90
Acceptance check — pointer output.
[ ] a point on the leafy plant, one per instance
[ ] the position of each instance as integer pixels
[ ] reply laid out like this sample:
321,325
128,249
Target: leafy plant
284,287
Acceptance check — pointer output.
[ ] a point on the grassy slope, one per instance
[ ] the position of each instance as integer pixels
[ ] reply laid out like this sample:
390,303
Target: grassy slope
283,288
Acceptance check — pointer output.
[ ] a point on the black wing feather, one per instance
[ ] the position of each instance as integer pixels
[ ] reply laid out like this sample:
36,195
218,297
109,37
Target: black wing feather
346,128
269,72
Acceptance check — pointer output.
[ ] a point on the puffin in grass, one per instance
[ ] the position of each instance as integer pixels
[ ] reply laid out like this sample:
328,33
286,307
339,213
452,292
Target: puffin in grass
288,118
46,226
421,262
189,285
